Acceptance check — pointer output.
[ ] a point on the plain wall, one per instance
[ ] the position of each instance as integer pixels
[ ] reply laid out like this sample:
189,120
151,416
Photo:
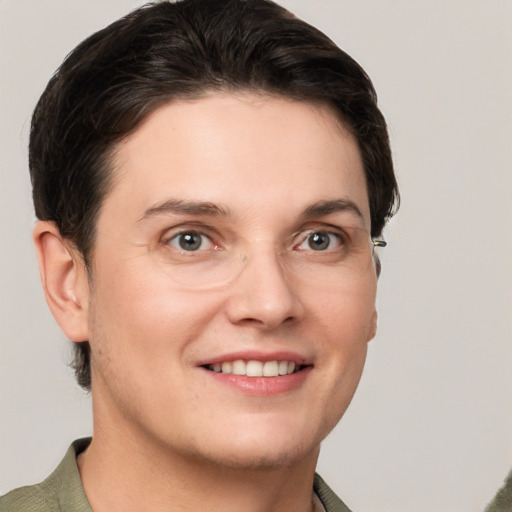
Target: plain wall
430,428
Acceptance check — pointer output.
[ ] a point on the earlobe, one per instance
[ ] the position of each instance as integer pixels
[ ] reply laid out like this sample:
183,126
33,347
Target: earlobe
64,280
372,331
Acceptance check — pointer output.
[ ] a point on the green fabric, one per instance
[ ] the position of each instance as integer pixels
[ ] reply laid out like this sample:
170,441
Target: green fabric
62,491
330,501
502,502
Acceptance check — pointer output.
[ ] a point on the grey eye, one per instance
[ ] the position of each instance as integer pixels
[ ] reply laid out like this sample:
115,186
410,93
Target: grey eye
322,240
191,241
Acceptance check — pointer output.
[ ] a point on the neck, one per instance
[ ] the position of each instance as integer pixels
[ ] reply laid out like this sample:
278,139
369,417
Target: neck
125,472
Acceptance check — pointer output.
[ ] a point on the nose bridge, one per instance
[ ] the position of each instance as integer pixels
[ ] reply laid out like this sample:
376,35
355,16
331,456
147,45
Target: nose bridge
262,291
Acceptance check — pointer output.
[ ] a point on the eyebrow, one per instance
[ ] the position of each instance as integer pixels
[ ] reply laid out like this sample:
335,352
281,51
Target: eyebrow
181,207
323,208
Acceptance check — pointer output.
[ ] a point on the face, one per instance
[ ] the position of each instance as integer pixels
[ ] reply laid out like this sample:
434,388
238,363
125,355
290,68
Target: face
221,323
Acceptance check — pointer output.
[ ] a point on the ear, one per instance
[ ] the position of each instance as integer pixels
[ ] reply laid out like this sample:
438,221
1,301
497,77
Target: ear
64,279
372,331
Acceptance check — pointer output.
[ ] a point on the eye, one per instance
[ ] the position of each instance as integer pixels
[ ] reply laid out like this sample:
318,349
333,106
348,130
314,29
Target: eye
191,241
320,241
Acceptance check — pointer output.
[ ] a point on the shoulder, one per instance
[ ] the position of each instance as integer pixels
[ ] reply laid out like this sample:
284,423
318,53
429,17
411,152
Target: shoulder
502,502
29,499
61,491
329,499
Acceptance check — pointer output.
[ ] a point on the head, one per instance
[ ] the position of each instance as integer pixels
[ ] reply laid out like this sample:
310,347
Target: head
164,54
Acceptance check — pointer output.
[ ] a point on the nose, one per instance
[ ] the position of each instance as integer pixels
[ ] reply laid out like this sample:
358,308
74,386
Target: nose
262,294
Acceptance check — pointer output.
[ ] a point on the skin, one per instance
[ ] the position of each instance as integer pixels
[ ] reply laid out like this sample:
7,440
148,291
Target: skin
159,416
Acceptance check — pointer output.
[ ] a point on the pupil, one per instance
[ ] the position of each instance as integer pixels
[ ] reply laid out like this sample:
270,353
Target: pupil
319,241
190,241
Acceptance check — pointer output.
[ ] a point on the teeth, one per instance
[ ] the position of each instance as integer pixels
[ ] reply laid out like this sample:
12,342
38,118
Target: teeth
283,367
239,367
271,369
254,368
227,368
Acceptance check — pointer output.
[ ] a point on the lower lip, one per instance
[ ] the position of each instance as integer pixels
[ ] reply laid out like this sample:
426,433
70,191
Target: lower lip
262,386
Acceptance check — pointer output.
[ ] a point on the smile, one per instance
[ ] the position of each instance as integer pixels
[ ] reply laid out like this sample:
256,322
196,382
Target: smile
254,368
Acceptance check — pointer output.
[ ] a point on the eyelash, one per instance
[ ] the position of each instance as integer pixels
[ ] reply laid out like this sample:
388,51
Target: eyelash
191,232
335,236
338,239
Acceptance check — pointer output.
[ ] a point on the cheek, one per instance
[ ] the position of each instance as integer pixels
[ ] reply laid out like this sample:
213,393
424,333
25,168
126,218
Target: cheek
138,310
142,336
343,324
346,313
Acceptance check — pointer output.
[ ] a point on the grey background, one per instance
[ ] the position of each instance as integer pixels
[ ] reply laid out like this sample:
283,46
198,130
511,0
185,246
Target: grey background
430,428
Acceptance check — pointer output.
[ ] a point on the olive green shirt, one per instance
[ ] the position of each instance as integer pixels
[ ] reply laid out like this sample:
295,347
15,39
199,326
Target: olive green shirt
62,491
502,502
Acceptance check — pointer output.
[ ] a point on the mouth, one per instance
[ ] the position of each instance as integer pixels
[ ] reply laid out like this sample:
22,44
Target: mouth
255,368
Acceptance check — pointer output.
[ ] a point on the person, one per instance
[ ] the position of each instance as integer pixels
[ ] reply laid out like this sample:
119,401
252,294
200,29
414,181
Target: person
502,501
212,179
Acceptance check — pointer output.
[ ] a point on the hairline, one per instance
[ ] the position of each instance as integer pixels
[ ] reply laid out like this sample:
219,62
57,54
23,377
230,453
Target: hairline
111,168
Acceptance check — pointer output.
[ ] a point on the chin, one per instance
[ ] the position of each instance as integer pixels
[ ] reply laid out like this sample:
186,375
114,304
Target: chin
256,459
274,449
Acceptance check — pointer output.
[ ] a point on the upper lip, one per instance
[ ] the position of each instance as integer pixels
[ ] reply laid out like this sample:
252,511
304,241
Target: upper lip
257,355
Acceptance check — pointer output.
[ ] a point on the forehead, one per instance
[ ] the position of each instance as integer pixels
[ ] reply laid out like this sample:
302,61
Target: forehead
245,151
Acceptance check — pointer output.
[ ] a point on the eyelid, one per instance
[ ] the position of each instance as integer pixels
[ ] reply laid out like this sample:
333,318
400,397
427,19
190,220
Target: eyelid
177,236
306,233
185,227
322,227
190,227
